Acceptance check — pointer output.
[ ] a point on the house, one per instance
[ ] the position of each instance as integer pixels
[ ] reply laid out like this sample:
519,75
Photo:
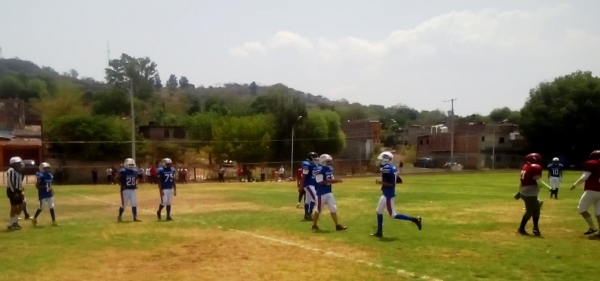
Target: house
409,135
24,142
476,145
162,133
361,137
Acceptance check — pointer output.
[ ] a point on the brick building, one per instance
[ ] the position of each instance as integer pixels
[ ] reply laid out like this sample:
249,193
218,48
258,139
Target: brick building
162,133
20,132
475,144
361,137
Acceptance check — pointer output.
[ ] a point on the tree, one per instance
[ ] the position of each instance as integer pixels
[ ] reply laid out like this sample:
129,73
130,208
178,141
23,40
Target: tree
138,73
172,82
321,131
73,74
112,102
253,88
500,114
157,82
67,99
243,139
184,83
104,132
10,87
559,117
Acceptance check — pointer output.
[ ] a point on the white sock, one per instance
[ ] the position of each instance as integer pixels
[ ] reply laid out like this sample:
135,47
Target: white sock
590,222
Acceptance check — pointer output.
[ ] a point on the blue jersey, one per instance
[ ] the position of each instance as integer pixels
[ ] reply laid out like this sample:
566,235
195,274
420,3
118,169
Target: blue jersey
44,185
555,170
166,176
323,173
128,178
388,175
309,173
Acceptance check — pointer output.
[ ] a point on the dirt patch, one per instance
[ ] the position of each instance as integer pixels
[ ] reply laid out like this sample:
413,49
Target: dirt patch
209,255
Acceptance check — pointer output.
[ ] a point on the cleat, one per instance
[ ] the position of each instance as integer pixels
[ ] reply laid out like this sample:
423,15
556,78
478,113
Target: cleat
55,223
418,222
340,227
136,220
158,215
307,218
536,232
315,228
523,232
27,217
298,205
34,222
377,234
119,219
169,219
590,231
16,226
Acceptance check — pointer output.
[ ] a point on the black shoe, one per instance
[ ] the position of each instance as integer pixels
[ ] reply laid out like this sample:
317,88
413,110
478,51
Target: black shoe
307,218
27,216
536,232
158,215
314,227
169,219
418,222
340,227
590,231
377,234
523,232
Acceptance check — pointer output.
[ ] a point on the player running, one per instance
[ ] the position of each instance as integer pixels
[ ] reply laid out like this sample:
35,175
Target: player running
45,192
309,183
167,187
555,171
531,179
388,188
591,193
324,179
127,177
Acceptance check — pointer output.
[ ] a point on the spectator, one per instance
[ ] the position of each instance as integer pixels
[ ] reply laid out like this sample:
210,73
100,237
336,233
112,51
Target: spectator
262,174
153,175
94,176
221,174
281,173
109,173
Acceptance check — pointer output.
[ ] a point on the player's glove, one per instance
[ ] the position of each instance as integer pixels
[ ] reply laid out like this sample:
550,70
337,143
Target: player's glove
518,196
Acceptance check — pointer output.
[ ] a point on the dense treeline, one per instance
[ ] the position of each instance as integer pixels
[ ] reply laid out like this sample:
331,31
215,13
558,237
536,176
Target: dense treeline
252,122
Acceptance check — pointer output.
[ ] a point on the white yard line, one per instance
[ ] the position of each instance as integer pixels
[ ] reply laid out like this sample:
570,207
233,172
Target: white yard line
400,272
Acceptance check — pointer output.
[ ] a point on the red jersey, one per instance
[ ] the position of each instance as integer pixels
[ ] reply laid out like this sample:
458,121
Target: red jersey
528,173
593,182
299,173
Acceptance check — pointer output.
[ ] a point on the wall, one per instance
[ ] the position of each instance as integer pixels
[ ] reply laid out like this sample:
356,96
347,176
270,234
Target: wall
25,152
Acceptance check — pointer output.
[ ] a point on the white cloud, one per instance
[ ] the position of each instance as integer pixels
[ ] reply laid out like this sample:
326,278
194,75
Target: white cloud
488,28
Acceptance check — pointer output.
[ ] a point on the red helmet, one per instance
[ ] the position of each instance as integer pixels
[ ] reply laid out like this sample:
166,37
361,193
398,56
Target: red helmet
533,158
595,155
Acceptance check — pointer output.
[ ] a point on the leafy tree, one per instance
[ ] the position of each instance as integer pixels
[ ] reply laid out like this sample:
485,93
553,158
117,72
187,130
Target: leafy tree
157,82
559,116
321,132
112,102
244,139
184,83
253,88
138,73
76,127
172,82
10,87
67,99
73,73
500,114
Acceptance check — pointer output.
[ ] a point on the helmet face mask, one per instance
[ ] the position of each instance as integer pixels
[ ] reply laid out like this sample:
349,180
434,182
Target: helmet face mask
385,158
167,163
45,168
313,157
326,160
129,164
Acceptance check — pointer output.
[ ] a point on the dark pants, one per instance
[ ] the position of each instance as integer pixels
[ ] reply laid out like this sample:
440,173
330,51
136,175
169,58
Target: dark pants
262,177
301,194
554,192
532,210
95,179
221,178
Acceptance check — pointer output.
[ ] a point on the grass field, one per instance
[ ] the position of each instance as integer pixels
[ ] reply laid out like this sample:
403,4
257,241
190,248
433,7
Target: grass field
252,231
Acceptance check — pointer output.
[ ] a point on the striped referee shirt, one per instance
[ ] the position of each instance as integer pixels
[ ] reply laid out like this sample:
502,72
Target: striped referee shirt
15,180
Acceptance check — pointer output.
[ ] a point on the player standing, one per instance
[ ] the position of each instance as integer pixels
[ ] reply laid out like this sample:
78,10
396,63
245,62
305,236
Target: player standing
531,179
324,179
591,193
388,188
45,192
14,191
555,170
167,187
309,183
301,193
127,178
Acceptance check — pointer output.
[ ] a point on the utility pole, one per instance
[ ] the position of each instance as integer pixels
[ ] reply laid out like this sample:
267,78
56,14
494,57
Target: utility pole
451,129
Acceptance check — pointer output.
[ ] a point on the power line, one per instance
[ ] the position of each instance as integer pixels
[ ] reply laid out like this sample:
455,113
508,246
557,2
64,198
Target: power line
190,141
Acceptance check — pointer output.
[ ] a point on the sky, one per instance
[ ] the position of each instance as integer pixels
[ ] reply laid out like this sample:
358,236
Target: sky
484,54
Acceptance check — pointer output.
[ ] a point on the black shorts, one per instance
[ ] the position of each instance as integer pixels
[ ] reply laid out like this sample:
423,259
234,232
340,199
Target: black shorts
15,200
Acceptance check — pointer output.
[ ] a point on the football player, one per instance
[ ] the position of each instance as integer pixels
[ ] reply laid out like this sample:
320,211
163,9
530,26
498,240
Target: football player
324,179
555,170
127,177
166,186
309,183
531,179
45,192
591,193
14,191
388,188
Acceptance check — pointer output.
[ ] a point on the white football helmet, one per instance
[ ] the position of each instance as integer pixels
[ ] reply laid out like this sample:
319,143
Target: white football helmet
129,164
45,168
167,162
385,158
17,163
555,159
326,160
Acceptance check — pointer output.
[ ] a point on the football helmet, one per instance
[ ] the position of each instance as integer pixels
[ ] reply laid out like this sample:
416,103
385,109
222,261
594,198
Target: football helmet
385,158
326,160
313,157
595,155
533,158
167,163
45,168
555,159
17,163
129,164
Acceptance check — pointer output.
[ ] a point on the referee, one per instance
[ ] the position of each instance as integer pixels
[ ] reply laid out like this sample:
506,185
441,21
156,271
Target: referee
14,191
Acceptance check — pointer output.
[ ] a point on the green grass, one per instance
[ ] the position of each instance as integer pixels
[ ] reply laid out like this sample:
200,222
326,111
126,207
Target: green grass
253,231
